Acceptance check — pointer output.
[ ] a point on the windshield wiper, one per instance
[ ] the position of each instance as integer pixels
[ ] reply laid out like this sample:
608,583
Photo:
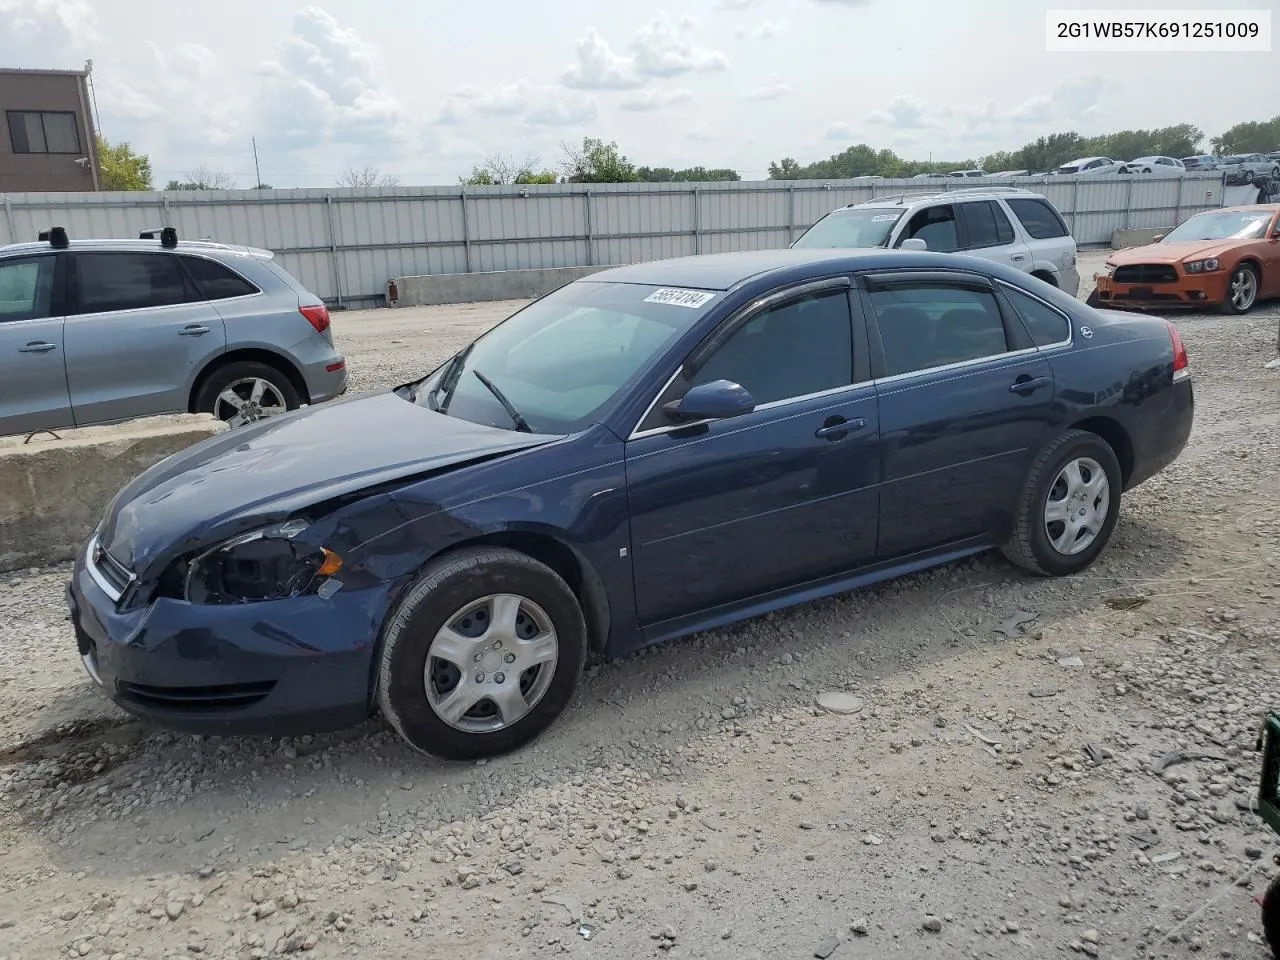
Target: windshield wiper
521,423
432,403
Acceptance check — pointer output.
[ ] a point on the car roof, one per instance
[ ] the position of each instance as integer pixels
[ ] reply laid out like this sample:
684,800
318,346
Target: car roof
129,246
965,193
1242,208
725,271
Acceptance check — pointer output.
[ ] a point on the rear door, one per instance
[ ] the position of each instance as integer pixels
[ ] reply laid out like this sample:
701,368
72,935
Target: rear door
33,378
136,335
965,400
988,234
731,509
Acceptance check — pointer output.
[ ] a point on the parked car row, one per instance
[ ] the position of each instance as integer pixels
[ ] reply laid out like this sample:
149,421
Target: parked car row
1238,168
100,331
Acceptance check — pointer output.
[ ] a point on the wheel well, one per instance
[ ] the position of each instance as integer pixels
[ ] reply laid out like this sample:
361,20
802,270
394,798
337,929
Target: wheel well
273,360
582,580
1116,438
1253,262
1046,276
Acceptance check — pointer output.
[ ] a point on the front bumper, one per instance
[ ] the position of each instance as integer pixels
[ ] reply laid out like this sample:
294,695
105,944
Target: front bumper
1191,290
276,668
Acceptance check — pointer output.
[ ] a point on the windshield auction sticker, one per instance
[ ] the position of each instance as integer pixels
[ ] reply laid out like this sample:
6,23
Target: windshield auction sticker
680,298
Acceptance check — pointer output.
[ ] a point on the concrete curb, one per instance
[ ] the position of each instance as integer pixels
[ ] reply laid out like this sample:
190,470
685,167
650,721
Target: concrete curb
53,490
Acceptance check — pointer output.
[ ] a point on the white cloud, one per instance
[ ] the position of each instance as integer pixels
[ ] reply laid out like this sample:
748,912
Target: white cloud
839,130
325,85
761,31
771,91
544,106
734,4
1075,98
655,99
46,33
700,135
665,49
904,112
599,68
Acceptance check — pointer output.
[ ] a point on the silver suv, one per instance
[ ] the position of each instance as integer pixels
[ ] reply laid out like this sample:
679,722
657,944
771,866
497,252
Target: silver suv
100,331
1004,224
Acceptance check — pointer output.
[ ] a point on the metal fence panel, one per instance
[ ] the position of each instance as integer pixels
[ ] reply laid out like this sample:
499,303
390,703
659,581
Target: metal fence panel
345,244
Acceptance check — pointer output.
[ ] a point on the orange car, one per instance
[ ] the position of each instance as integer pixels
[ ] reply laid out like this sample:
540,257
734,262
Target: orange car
1227,258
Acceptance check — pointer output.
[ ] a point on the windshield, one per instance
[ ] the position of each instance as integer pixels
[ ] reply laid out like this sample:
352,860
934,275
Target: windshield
862,227
1238,158
560,361
1221,225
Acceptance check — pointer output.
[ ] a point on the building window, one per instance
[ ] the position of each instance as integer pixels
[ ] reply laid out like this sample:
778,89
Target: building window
35,131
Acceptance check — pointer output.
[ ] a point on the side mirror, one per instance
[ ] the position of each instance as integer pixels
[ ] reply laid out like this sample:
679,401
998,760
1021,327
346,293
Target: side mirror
717,400
1157,238
914,243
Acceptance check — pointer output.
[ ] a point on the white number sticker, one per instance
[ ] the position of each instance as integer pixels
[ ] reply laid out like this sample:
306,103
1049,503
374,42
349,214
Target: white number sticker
692,299
881,218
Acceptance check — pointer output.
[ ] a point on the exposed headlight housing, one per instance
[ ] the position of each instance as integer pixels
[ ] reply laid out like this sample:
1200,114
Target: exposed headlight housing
1111,268
265,564
1202,266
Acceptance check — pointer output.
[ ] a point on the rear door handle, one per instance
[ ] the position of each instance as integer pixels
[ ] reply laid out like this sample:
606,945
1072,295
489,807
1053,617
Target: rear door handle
833,431
194,330
1029,385
38,346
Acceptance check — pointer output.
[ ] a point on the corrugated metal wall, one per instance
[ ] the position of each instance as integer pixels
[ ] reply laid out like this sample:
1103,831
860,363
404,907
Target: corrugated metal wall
346,244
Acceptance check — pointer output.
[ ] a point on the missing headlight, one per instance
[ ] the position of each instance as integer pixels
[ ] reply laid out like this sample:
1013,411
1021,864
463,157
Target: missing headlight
267,564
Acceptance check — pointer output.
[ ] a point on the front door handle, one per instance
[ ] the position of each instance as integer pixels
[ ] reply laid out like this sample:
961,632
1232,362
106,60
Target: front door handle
1018,256
1028,385
837,427
195,330
38,346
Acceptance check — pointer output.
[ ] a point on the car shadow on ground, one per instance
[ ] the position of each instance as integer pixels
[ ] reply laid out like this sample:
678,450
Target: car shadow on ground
175,802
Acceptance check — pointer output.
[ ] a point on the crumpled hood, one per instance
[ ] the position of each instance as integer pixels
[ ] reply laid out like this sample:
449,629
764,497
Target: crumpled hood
1172,252
260,472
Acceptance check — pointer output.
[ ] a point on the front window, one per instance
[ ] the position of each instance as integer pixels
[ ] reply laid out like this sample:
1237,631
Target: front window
1221,225
861,227
563,360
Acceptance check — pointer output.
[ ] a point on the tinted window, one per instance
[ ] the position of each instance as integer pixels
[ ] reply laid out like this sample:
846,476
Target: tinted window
985,221
1045,324
800,348
936,226
26,288
128,281
931,325
216,282
1040,220
43,132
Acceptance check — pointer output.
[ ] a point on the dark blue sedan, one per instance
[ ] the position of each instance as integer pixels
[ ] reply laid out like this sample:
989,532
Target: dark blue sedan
659,449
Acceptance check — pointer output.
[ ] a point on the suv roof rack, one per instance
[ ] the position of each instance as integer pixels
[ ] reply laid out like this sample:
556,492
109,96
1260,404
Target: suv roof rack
168,235
989,190
55,237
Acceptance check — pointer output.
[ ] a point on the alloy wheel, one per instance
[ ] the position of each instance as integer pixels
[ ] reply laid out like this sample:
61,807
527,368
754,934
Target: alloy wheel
1076,508
1244,289
247,400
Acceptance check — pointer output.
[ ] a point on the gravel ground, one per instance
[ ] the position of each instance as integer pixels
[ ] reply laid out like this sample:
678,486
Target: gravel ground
1036,768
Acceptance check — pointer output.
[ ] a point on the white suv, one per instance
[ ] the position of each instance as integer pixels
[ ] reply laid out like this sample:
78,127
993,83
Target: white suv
1007,225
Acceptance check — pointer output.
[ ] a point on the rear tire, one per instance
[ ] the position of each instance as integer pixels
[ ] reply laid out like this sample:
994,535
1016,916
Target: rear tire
1271,916
1068,507
242,379
481,655
1242,290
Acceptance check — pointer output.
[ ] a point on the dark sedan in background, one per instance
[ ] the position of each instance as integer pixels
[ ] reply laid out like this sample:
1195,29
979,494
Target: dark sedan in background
655,450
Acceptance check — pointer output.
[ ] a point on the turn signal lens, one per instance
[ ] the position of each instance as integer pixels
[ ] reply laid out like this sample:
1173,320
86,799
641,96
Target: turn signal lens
331,565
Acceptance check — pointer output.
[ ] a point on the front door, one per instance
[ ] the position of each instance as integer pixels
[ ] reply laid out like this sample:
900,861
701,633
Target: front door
730,509
33,378
965,400
136,335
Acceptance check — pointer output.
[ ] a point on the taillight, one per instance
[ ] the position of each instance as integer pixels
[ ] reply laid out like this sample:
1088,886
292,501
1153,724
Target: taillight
317,316
1181,365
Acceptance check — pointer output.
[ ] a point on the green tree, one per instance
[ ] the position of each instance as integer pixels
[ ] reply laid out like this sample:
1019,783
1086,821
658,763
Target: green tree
121,168
687,175
500,169
596,162
1249,138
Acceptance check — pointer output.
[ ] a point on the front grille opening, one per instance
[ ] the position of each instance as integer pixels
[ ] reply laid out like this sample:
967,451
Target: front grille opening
1146,273
223,697
112,570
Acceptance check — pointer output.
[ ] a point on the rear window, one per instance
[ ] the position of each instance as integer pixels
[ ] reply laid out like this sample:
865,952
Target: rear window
1038,218
215,281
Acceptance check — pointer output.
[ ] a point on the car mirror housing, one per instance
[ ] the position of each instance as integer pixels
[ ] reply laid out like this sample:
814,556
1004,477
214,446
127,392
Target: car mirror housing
914,243
1157,238
717,400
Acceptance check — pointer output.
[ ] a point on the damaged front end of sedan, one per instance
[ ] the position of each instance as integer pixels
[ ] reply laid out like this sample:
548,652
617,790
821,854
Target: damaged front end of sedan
271,563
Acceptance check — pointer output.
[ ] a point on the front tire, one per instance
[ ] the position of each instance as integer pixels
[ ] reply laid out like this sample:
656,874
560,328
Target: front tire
1068,508
481,655
1242,290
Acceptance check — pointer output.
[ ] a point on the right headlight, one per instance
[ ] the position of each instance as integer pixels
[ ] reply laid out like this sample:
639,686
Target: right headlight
265,564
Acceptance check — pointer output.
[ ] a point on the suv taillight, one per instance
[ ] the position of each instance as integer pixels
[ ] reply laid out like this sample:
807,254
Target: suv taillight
317,316
1181,365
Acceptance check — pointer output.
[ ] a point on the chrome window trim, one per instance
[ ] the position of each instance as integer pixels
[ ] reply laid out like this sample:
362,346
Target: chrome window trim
1071,327
955,367
771,405
733,323
104,585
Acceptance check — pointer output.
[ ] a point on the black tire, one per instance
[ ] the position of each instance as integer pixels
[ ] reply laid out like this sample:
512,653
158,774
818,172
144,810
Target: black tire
1047,278
1229,305
1029,546
1093,300
1271,916
206,398
444,589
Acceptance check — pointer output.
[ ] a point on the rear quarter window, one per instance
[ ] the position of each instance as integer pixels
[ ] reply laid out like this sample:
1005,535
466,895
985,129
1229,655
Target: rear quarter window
215,281
1045,324
1038,218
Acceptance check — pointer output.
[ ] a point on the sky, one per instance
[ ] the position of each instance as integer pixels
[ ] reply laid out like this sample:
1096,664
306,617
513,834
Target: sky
423,89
